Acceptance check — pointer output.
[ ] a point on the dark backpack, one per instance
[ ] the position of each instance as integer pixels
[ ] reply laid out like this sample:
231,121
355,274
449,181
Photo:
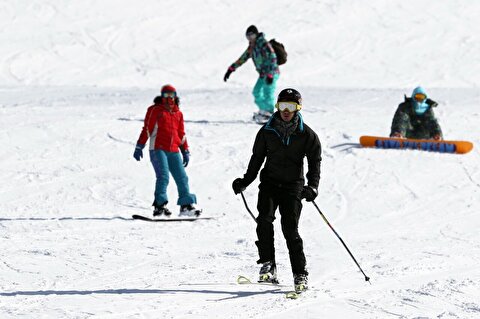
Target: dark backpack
279,51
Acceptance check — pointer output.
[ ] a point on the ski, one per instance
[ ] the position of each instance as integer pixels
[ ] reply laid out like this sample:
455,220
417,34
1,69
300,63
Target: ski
299,290
186,219
292,295
242,280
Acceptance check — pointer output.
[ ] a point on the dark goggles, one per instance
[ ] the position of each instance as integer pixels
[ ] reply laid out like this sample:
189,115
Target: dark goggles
169,94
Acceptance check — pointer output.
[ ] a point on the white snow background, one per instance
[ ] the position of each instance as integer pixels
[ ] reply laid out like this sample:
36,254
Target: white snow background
76,79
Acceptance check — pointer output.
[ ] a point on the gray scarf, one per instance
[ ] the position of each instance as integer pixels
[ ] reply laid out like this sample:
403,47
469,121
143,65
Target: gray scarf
285,129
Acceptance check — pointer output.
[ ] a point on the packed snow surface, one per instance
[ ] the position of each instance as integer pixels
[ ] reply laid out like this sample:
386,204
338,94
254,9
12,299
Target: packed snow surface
75,81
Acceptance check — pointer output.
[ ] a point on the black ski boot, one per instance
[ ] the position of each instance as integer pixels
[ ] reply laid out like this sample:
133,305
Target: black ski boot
268,273
162,209
300,282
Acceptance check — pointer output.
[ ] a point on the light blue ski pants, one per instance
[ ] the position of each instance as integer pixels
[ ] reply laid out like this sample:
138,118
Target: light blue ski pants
165,163
264,93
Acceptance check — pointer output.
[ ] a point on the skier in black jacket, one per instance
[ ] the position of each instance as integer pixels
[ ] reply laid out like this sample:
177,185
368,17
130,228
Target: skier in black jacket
284,141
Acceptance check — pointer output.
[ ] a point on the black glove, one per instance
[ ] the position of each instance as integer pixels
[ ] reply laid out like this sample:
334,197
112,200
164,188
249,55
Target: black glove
227,74
238,185
138,154
269,79
309,193
186,157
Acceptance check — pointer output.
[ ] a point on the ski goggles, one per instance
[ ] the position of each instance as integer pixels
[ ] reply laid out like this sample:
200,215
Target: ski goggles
169,94
420,97
288,106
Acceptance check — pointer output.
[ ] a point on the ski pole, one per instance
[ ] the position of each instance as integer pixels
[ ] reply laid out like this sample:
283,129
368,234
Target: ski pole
246,206
344,245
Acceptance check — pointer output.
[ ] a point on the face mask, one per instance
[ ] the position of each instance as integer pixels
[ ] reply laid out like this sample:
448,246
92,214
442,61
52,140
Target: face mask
420,107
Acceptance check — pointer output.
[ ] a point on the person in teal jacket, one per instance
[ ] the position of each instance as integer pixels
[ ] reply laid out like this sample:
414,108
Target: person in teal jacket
265,60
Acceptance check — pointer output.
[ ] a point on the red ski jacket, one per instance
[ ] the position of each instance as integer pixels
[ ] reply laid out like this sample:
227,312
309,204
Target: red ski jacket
164,128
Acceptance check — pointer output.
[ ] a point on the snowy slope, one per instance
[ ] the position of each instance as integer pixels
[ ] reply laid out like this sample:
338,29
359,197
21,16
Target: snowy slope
75,82
332,43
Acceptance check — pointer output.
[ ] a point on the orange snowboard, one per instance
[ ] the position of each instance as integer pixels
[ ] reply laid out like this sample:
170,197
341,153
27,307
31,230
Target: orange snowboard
457,147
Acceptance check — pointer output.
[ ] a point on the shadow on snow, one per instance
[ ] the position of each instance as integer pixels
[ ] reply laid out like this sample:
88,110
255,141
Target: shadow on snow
349,146
234,294
62,218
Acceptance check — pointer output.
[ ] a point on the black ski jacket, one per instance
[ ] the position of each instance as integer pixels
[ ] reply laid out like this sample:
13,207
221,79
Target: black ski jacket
284,165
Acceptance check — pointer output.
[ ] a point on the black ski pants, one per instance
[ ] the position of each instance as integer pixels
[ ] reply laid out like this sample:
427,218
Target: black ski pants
289,203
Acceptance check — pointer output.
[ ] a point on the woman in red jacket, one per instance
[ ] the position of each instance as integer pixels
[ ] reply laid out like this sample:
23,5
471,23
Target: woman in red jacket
163,125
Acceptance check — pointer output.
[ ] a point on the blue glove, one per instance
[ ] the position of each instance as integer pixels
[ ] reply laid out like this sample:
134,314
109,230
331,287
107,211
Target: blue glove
138,154
186,157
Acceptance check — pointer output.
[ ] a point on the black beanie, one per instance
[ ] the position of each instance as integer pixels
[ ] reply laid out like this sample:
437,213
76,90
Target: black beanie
252,29
289,95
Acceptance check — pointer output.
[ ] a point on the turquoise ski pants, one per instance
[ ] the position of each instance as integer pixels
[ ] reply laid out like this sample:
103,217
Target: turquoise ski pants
165,163
264,93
